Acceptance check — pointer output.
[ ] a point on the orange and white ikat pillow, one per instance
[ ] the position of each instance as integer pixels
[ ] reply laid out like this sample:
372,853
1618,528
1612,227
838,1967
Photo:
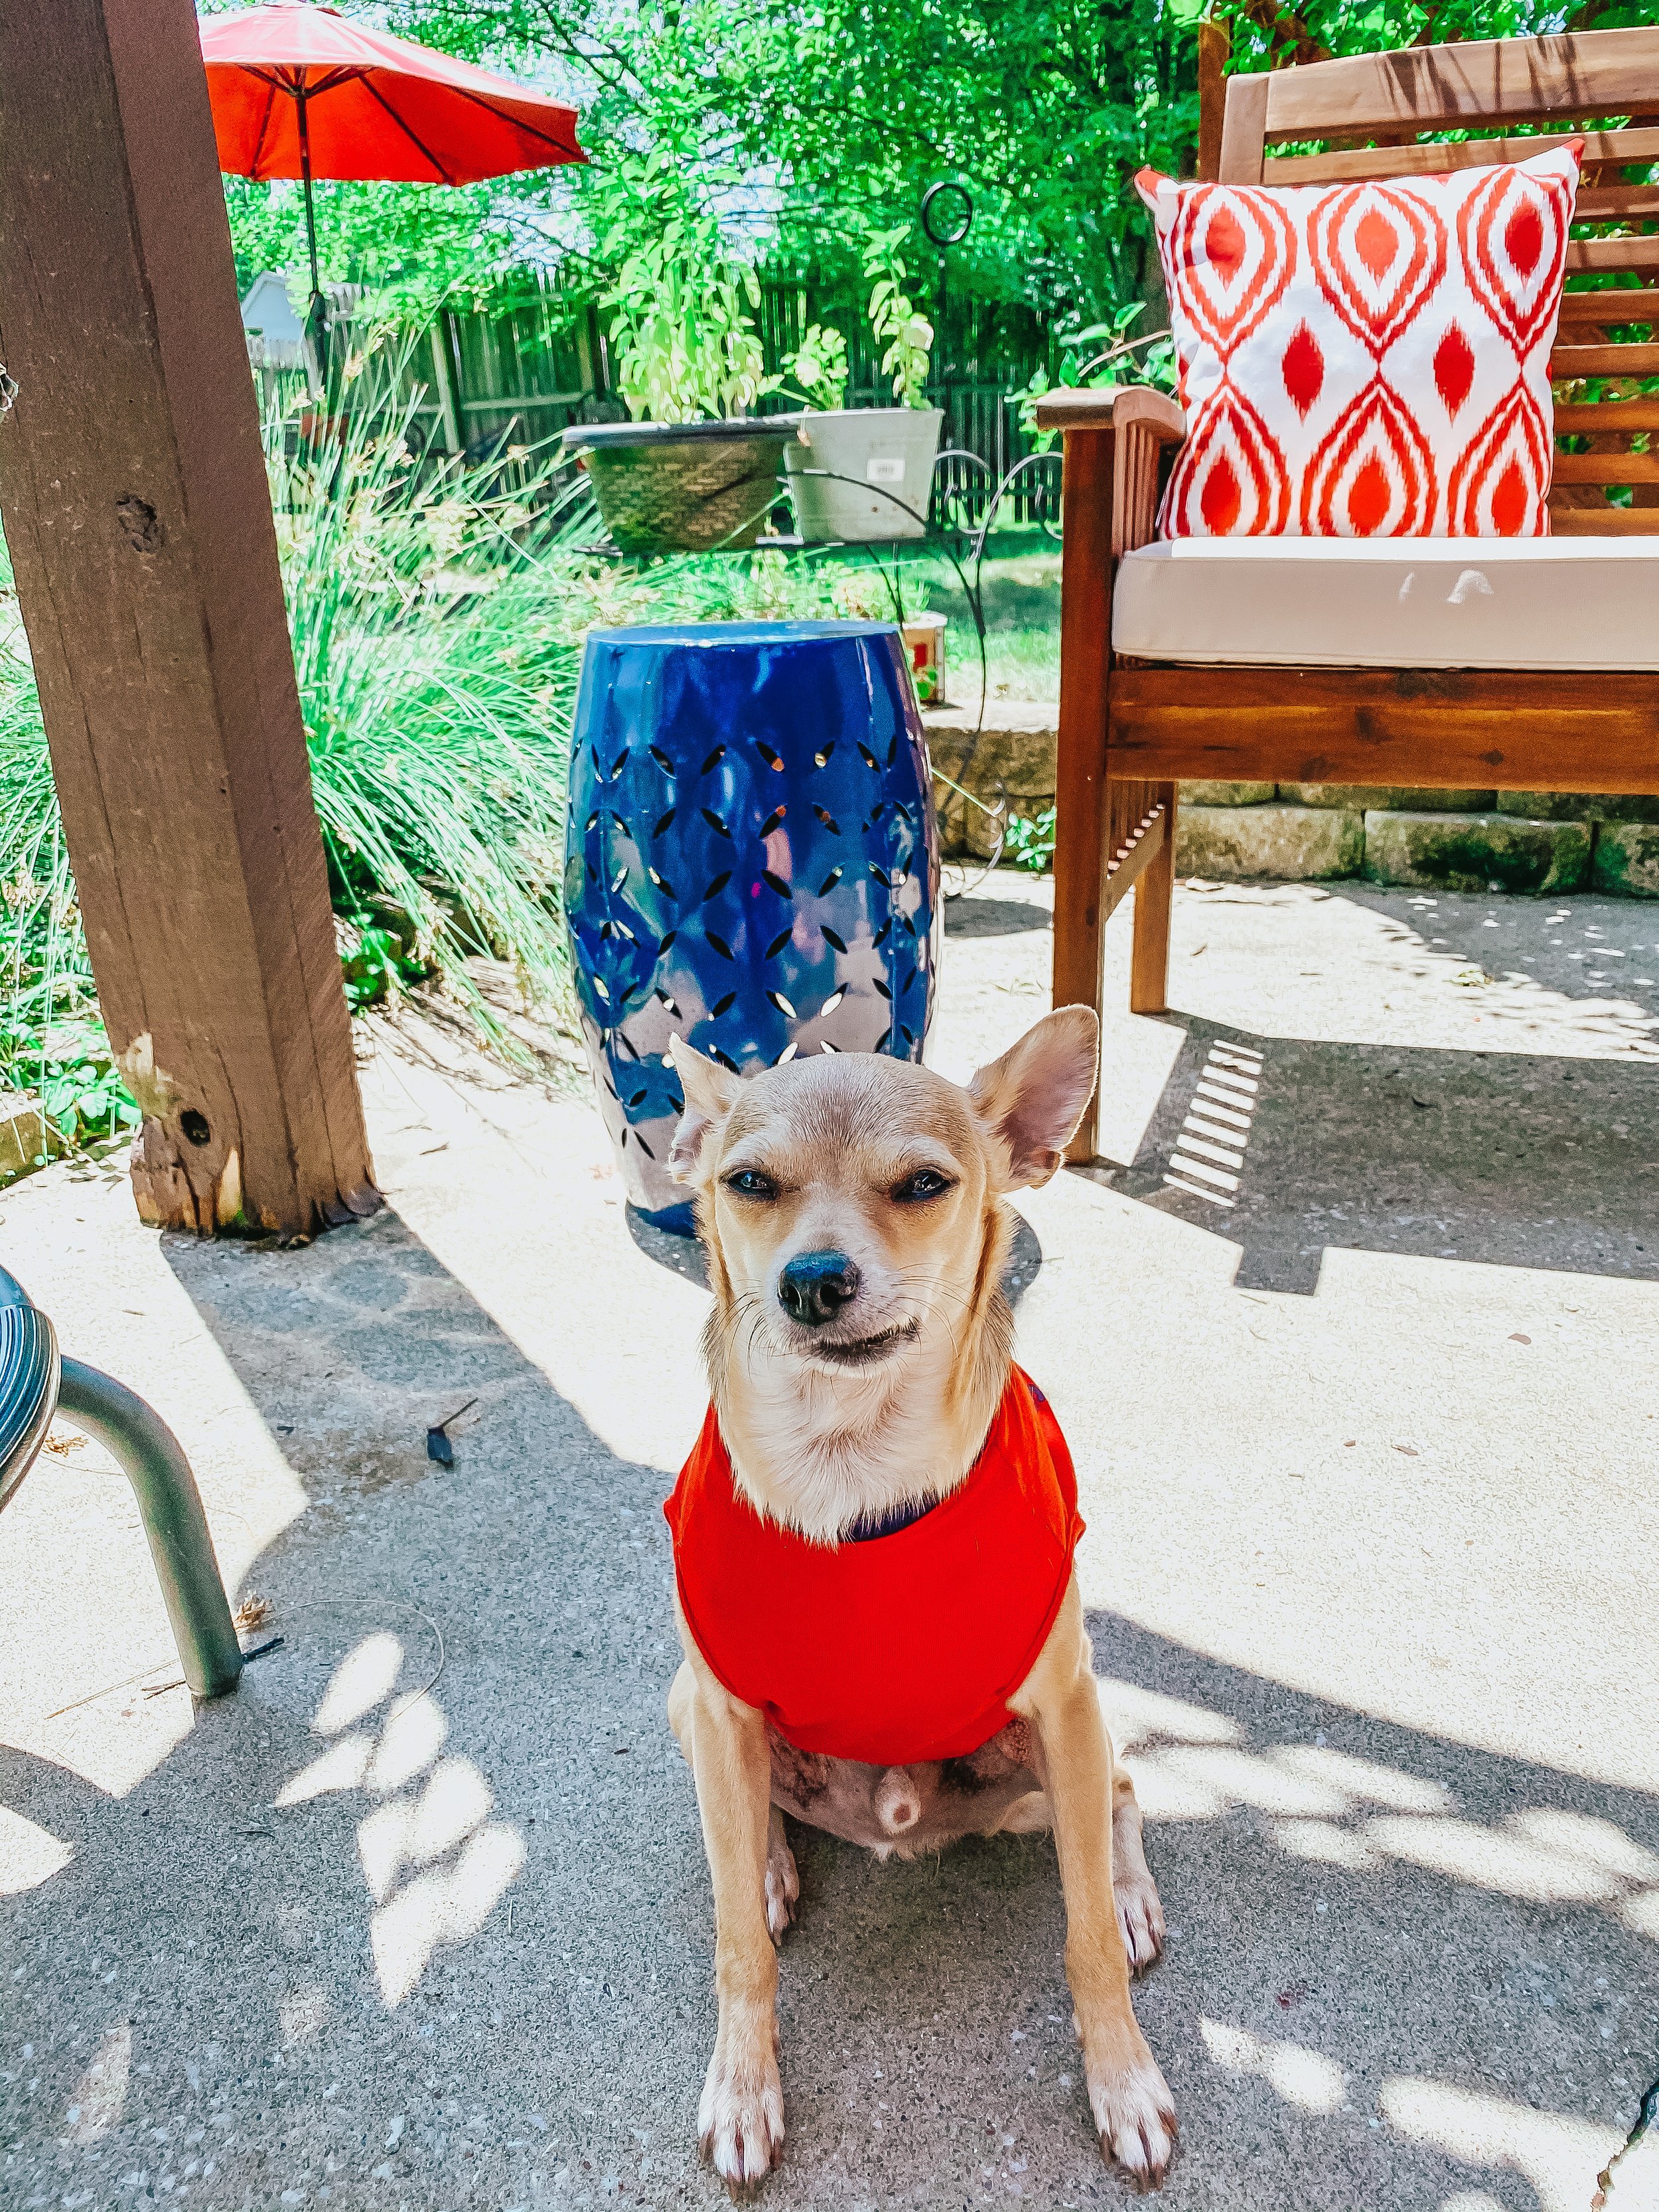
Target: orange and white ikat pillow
1366,359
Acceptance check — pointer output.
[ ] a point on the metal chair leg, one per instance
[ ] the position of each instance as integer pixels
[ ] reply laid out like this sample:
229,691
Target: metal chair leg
136,1436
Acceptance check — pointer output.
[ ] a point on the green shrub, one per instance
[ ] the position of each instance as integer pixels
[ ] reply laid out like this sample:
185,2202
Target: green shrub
52,1043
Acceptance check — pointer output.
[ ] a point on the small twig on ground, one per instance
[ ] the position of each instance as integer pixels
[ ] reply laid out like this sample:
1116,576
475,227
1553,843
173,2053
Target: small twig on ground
108,1689
403,1704
258,1651
160,1689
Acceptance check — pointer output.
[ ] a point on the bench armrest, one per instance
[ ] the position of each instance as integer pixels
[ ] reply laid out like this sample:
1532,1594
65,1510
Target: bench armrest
1114,407
1123,483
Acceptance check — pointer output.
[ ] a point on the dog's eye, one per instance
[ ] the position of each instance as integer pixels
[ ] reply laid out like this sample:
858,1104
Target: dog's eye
750,1182
925,1183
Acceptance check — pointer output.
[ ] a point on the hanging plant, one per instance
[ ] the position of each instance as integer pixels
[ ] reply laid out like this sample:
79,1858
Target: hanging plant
864,476
908,335
682,306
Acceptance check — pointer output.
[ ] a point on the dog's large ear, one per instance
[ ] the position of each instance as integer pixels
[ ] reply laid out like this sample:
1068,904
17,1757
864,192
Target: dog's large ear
1033,1098
710,1090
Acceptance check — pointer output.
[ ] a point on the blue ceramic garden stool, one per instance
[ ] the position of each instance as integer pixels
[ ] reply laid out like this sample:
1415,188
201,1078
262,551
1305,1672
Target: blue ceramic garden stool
752,862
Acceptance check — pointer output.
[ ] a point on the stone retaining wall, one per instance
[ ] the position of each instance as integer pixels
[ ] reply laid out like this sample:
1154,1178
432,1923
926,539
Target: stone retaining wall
1512,841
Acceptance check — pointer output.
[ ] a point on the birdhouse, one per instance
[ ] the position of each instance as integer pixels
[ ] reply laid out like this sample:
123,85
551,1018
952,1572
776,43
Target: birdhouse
276,333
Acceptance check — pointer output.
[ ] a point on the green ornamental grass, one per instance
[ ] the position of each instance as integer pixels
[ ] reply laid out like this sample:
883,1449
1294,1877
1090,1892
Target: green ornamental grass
436,644
436,624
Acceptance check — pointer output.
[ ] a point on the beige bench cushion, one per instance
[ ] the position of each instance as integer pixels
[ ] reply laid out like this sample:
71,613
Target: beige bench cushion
1532,602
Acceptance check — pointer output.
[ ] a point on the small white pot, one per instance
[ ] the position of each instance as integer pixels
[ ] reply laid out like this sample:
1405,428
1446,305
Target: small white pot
862,475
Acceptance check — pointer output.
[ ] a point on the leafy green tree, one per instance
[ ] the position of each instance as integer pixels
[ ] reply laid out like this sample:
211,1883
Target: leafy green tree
848,109
418,244
803,127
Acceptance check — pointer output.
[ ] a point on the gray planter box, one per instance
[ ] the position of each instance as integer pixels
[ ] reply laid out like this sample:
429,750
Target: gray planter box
862,475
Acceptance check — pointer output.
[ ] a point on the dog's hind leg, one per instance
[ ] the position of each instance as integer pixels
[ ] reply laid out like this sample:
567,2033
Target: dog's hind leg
782,1882
1139,1913
681,1693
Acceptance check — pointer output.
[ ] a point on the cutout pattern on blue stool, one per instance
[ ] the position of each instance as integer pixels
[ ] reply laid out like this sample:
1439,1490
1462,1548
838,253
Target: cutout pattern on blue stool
752,862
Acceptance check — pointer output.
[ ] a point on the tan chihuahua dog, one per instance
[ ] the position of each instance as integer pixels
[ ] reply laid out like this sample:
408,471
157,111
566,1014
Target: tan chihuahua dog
853,1211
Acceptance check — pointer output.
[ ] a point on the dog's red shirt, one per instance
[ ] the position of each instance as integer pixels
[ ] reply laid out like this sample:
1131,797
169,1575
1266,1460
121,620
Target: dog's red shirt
892,1648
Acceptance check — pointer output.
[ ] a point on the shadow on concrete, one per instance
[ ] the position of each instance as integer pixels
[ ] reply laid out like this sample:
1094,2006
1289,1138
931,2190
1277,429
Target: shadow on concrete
1290,1147
421,1916
1378,1925
976,913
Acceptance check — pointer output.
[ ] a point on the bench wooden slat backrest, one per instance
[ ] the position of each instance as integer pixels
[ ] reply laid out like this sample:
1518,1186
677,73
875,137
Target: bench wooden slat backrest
1595,78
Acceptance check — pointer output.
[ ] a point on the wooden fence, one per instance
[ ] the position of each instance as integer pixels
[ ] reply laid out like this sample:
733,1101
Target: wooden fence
539,359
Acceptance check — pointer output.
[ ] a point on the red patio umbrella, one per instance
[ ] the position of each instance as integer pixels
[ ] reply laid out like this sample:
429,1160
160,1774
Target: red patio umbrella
299,91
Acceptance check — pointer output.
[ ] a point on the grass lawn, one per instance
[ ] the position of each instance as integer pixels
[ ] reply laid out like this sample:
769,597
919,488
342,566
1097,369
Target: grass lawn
1019,584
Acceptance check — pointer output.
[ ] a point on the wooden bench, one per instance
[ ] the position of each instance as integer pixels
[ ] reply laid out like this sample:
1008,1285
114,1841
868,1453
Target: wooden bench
1130,729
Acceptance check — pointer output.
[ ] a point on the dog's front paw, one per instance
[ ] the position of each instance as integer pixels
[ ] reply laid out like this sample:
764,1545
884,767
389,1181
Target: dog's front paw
1136,2118
740,2118
1139,1918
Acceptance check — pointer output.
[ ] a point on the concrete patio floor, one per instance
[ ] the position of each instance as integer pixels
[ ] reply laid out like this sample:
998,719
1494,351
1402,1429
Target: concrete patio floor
1358,1351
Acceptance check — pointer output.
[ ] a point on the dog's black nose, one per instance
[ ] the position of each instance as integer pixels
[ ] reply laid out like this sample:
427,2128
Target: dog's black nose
814,1286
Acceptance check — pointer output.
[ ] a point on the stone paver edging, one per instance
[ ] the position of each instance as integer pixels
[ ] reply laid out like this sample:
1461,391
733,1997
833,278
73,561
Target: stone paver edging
1470,841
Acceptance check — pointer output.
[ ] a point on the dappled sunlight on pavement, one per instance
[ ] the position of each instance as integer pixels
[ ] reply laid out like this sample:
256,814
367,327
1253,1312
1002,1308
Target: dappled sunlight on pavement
434,1863
29,1854
1189,1764
1553,2153
421,1917
1300,2077
1557,2155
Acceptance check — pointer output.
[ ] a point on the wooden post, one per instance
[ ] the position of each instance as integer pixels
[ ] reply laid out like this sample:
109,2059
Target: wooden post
1081,855
1214,46
136,509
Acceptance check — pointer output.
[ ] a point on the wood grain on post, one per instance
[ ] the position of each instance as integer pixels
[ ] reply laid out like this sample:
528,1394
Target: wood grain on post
136,510
1214,47
1080,856
1149,947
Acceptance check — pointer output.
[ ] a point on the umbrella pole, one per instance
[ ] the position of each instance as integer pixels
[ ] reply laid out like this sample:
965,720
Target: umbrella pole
316,318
